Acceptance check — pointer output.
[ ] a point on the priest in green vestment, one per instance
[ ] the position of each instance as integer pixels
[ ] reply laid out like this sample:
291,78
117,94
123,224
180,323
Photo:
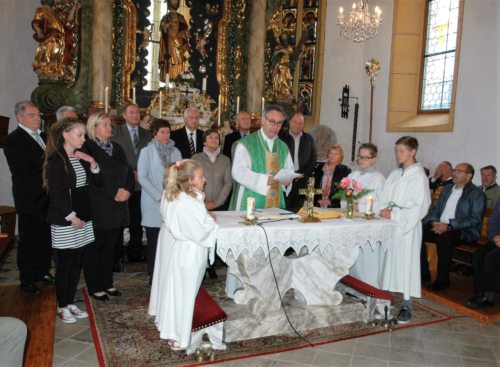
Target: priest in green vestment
258,157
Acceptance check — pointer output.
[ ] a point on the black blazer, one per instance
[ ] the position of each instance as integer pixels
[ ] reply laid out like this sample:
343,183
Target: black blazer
307,152
339,173
64,197
116,173
229,140
25,159
181,141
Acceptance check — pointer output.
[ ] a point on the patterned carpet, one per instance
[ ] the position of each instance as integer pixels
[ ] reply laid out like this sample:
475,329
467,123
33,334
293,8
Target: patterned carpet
125,335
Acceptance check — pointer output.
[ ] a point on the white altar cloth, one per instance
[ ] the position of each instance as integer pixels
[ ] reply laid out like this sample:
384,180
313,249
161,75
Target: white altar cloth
326,251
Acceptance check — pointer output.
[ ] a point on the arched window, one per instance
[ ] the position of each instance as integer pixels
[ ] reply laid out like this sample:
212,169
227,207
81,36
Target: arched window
424,64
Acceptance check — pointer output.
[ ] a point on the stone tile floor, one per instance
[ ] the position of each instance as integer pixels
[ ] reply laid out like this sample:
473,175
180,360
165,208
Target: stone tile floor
460,342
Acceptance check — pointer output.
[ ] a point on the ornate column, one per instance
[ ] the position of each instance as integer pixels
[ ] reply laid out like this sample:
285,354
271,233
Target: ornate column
255,75
102,41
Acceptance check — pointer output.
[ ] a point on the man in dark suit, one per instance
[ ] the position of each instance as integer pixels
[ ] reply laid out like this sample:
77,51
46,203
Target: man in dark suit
24,149
303,152
243,121
189,139
456,217
132,138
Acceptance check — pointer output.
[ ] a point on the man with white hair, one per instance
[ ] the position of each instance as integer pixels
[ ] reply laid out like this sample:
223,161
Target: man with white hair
66,112
189,139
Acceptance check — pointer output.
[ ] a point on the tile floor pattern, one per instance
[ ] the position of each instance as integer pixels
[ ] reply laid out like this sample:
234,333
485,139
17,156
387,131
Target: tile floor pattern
460,342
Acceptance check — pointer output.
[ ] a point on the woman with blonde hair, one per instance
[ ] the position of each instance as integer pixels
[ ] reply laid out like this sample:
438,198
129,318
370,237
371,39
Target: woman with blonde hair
67,173
327,176
186,241
109,206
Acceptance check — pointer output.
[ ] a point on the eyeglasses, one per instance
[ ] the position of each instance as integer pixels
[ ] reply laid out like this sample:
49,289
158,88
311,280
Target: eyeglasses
273,122
364,158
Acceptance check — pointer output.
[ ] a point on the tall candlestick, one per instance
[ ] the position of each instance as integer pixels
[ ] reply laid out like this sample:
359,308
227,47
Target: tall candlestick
161,100
167,80
106,101
133,94
238,105
263,106
219,112
369,204
250,208
204,85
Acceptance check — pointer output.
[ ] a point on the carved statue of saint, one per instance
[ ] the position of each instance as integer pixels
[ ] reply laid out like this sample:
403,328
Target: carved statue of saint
54,27
173,42
282,70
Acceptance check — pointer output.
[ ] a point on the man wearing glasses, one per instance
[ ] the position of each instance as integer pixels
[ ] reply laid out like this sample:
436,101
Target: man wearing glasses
257,159
456,217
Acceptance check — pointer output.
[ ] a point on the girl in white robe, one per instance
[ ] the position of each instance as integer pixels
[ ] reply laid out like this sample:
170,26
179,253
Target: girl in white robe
368,264
407,192
186,240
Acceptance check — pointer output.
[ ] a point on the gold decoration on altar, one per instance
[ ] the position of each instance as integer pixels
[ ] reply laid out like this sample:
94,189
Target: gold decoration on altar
56,29
222,53
129,49
174,42
310,192
372,67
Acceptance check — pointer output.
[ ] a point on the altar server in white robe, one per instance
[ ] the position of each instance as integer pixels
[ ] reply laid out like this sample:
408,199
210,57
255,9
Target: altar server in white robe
407,191
186,240
367,266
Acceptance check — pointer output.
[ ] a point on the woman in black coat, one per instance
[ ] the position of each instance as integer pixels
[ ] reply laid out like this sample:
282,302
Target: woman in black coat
327,176
67,173
109,206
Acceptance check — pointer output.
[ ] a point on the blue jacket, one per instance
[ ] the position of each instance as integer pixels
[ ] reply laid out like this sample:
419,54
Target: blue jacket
494,222
468,214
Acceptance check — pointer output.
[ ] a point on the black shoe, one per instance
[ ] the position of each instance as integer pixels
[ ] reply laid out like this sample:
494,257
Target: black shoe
48,278
114,293
439,286
30,288
404,316
479,301
211,273
102,298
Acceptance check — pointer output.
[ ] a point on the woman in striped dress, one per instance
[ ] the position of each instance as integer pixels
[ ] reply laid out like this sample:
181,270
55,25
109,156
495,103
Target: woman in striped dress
66,175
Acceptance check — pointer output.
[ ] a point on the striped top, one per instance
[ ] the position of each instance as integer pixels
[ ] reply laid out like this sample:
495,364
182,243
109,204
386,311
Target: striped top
68,237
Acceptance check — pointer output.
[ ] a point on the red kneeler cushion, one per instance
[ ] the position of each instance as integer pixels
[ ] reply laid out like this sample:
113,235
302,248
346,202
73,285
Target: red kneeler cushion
365,288
207,312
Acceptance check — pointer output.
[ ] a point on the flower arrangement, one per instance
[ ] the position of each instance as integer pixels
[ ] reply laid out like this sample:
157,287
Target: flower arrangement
350,190
185,78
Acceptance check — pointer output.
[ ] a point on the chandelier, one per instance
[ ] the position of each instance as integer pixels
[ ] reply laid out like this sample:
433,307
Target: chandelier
361,25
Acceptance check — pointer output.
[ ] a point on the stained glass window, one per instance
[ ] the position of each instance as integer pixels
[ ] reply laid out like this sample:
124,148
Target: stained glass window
439,56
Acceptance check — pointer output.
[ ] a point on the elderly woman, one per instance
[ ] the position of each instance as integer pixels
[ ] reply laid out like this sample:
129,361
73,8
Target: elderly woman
109,206
66,175
153,160
367,266
217,168
327,176
407,191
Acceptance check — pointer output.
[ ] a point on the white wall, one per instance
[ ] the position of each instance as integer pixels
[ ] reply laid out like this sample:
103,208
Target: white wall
476,134
17,79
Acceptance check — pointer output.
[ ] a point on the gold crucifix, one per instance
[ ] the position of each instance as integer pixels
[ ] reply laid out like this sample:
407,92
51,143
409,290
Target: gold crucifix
310,192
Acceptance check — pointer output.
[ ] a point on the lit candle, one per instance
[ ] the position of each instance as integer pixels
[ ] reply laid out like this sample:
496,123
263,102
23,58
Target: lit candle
204,85
238,105
219,112
167,80
250,208
106,101
341,10
263,106
160,103
133,94
369,204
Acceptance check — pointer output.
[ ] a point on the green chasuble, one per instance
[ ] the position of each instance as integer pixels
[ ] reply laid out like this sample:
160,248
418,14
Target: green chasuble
266,162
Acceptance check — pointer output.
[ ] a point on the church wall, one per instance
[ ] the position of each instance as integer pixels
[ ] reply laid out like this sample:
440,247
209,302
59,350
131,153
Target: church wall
17,79
476,132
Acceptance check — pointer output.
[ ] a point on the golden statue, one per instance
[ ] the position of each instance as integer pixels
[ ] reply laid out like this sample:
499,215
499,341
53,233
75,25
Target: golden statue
173,42
282,70
54,25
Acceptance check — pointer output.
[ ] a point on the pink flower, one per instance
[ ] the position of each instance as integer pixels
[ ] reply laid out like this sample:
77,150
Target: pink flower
349,193
356,186
346,181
